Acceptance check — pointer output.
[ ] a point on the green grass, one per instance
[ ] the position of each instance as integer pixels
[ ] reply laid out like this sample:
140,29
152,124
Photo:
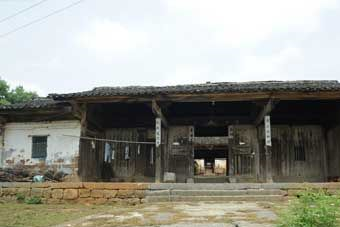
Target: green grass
36,215
312,209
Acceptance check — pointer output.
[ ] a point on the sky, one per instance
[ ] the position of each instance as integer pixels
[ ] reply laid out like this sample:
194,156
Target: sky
168,42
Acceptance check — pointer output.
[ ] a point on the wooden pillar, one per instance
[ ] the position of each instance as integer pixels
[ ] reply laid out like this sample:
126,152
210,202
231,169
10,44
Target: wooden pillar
257,155
82,111
231,173
2,140
269,177
158,153
268,151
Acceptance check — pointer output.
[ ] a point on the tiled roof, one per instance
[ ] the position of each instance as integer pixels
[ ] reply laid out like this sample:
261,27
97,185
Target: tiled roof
208,88
40,103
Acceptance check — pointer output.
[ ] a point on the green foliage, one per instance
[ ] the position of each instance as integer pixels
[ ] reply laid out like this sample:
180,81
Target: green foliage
33,200
312,209
16,95
20,197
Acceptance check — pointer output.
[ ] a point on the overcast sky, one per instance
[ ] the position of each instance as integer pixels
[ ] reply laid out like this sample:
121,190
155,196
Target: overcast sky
168,42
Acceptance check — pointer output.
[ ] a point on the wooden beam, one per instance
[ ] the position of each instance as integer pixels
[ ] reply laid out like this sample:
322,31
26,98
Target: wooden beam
158,112
265,111
218,97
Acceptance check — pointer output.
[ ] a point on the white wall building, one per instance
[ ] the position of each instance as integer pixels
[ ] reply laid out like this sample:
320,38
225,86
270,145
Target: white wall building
47,143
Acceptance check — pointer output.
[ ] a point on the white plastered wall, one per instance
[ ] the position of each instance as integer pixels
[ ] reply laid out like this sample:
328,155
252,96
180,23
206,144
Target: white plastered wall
62,150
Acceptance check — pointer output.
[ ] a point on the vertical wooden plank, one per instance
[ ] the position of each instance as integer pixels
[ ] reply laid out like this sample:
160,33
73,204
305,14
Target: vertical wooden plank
256,147
268,144
324,155
158,153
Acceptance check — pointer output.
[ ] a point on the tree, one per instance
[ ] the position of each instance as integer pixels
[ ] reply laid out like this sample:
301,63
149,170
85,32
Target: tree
16,95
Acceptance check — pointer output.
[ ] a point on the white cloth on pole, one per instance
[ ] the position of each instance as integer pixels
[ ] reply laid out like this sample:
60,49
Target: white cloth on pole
108,153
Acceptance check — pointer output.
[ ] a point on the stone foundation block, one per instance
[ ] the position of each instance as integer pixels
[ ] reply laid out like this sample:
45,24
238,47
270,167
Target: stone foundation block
140,194
70,194
169,177
133,201
9,191
84,193
67,185
47,193
123,194
110,193
100,201
116,186
24,191
97,193
57,193
116,201
40,185
38,192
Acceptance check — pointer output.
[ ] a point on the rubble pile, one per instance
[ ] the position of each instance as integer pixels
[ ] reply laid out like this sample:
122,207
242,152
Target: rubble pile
25,175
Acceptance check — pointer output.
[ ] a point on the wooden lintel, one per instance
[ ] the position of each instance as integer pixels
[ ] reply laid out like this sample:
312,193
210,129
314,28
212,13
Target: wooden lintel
265,111
158,112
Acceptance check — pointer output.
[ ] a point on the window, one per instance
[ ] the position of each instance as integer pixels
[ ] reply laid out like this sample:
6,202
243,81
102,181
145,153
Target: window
300,154
39,146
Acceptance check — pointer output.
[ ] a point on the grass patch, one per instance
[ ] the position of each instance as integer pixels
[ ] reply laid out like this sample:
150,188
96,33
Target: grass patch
312,209
29,215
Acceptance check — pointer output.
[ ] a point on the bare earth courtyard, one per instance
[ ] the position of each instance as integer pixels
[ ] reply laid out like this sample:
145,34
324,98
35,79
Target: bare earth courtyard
242,214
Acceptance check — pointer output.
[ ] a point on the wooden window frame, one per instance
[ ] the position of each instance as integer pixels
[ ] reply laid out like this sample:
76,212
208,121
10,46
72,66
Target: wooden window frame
39,148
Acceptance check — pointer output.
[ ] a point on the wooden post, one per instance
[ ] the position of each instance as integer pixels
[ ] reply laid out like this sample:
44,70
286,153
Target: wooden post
230,154
83,127
268,146
158,161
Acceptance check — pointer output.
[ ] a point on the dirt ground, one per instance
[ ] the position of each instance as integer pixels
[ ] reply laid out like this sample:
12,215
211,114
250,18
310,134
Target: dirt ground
241,214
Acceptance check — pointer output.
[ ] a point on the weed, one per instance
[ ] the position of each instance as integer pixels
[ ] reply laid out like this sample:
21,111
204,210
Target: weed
20,197
311,209
33,200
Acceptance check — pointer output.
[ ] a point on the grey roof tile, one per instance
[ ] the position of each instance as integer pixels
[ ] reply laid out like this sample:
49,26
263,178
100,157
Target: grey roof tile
222,87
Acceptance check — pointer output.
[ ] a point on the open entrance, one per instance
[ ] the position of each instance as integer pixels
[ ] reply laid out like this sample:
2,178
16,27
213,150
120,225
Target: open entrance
211,153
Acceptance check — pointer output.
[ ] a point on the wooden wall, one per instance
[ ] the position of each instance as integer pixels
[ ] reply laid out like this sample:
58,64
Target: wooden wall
287,141
333,156
244,154
180,157
91,159
138,167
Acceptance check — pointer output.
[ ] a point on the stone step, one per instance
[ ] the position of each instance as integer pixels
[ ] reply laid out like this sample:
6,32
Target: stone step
178,198
215,192
236,186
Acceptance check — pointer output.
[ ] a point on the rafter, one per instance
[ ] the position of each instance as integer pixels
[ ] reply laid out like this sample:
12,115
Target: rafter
267,109
158,112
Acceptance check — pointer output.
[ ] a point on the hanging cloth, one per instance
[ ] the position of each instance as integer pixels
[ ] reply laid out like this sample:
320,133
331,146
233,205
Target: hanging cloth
138,149
108,153
127,152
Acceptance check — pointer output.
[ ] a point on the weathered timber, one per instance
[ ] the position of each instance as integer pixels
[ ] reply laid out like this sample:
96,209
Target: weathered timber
213,140
267,109
156,109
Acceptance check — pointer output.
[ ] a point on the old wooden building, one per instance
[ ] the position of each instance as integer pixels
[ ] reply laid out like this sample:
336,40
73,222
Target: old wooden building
214,132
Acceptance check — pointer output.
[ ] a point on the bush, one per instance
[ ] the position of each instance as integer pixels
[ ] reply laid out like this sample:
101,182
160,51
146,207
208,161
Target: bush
33,200
311,209
20,197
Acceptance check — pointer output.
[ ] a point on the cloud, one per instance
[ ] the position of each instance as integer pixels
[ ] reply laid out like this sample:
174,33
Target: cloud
28,86
108,37
248,22
287,63
187,74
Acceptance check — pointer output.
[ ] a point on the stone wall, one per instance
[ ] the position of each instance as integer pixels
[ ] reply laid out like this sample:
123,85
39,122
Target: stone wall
86,192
